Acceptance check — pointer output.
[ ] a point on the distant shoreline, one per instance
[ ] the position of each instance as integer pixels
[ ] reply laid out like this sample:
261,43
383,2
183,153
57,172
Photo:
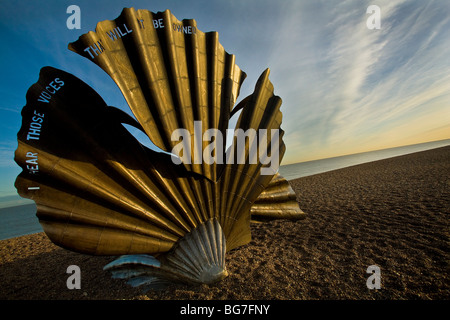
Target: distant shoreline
14,201
433,145
308,168
20,205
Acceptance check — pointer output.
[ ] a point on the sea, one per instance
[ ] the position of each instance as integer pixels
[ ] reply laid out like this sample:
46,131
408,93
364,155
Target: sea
309,168
18,220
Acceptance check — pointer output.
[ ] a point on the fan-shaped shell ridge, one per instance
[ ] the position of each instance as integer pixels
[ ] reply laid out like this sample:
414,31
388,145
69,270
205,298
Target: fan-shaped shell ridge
278,200
170,73
198,258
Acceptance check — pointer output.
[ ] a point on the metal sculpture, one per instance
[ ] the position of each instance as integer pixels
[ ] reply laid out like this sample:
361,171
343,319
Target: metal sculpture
99,191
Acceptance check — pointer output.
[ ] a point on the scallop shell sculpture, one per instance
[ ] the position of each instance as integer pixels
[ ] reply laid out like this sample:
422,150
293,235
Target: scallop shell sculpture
99,191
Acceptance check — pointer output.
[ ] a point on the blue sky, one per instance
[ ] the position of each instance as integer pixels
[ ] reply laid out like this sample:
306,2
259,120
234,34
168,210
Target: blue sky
345,88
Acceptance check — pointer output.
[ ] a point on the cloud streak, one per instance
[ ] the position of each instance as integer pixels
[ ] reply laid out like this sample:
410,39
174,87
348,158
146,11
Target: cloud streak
346,85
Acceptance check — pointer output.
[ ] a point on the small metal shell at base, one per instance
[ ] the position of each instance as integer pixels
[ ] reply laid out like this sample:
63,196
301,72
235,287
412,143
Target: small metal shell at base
197,258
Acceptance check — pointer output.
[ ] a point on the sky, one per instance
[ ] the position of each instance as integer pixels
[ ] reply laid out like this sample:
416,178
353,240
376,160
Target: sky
346,88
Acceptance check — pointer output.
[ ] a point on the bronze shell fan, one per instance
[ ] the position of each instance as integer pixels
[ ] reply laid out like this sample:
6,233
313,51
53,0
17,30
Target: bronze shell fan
99,191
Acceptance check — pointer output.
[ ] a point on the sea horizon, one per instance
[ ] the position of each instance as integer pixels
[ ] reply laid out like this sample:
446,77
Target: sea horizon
308,168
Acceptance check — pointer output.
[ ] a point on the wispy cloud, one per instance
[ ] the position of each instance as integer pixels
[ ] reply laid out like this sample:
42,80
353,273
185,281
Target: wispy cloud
7,149
10,109
345,85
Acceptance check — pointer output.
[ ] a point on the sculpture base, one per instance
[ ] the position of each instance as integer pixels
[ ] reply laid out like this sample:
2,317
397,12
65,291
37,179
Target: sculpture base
197,258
